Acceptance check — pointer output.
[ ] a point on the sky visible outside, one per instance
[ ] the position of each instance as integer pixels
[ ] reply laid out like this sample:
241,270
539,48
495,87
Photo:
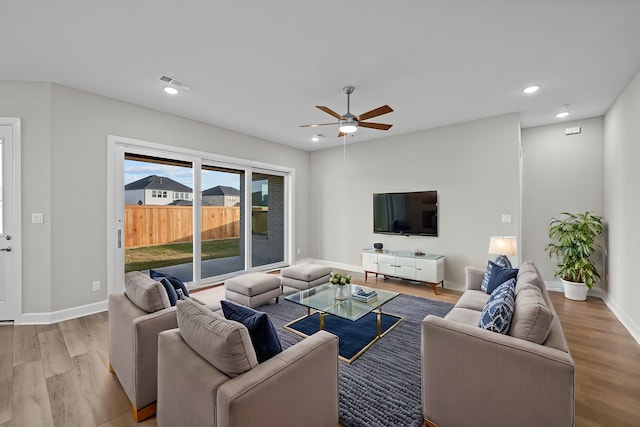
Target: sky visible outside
135,170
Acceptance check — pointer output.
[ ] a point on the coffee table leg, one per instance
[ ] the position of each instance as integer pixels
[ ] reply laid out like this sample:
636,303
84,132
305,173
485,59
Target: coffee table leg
322,320
379,320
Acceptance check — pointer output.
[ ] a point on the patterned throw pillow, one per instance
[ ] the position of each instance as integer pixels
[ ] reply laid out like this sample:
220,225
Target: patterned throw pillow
496,315
500,260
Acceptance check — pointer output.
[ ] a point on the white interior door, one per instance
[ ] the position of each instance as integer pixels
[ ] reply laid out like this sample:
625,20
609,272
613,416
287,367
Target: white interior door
10,259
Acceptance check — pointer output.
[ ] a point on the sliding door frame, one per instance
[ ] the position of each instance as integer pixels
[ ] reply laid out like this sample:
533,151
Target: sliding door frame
118,146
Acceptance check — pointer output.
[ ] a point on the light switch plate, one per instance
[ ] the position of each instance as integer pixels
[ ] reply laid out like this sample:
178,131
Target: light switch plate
37,218
506,219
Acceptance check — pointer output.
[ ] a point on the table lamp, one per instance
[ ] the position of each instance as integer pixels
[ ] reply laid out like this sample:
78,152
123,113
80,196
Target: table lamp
503,245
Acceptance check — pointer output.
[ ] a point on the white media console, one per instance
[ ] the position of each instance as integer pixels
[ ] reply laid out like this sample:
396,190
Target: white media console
428,268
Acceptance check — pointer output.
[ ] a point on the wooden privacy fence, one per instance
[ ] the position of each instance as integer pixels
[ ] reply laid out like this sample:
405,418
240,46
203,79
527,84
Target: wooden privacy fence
149,225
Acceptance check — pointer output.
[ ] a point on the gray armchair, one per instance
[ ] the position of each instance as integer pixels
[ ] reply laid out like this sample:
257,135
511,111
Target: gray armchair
135,319
298,387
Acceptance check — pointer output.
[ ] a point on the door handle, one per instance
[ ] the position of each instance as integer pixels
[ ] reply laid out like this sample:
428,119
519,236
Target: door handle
7,249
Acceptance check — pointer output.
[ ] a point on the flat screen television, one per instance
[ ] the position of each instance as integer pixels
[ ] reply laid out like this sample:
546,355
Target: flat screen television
414,213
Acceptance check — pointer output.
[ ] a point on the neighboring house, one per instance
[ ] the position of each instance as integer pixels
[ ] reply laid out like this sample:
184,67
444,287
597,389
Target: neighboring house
156,190
221,195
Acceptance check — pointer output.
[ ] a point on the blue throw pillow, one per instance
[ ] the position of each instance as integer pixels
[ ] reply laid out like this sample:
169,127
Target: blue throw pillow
178,285
263,335
171,292
500,260
496,315
499,275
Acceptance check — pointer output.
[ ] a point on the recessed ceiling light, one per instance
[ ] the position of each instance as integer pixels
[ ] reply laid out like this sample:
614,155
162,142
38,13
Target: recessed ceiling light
171,90
562,114
531,89
317,137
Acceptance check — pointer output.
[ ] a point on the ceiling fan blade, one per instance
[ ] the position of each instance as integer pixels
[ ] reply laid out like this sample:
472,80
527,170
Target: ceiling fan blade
375,112
318,124
329,111
341,134
379,126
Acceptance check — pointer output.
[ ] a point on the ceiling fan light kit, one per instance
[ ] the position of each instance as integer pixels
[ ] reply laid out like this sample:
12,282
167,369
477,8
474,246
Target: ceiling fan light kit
349,123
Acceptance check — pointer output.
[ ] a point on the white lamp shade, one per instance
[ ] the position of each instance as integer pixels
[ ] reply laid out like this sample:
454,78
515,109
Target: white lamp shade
503,245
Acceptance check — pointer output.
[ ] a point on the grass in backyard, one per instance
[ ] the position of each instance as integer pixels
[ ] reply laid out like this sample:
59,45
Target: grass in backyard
146,257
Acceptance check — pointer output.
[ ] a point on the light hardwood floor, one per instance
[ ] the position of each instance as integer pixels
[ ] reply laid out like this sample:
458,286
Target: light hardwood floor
57,375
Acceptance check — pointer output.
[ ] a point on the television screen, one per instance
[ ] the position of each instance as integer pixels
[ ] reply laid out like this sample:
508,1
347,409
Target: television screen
406,213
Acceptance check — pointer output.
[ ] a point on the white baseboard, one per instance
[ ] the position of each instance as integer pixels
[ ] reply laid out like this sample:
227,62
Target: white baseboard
61,315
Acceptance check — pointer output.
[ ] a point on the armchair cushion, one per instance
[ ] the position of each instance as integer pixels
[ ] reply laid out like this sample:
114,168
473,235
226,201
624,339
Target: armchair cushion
178,285
263,335
532,316
496,315
223,343
171,292
146,293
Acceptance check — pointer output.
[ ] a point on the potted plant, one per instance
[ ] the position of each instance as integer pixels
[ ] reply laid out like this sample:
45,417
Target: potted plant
573,242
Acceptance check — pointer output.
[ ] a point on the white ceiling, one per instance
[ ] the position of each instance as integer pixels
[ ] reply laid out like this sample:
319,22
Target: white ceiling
260,67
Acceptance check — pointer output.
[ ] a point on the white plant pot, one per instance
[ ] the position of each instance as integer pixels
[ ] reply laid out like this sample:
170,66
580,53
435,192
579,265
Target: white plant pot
574,291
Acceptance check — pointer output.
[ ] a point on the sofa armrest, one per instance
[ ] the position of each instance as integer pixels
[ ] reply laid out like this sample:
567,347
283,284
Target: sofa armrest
296,387
474,277
471,376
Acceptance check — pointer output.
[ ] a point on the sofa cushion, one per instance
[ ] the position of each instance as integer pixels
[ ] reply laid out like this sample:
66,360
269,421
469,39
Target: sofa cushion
178,285
473,299
532,316
263,335
528,273
499,275
223,343
496,315
500,260
148,294
465,316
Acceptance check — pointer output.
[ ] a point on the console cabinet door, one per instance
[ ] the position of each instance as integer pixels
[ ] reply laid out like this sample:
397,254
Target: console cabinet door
406,267
370,262
429,270
386,264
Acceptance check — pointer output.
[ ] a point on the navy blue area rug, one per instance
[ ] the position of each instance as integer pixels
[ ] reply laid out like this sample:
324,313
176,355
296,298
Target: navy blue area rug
354,337
382,387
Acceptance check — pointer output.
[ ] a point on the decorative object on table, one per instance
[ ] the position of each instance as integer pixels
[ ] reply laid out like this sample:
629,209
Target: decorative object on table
363,294
378,246
341,283
573,242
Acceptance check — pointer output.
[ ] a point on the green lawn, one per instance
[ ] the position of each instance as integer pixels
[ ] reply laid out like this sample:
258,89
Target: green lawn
147,257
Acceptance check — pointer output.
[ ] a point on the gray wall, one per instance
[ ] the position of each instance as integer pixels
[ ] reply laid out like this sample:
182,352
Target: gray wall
64,140
561,173
622,202
474,167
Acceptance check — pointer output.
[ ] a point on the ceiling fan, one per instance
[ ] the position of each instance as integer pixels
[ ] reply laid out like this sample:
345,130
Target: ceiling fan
349,123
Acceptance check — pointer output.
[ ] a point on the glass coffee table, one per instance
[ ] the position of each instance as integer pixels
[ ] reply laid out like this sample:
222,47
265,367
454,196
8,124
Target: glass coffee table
322,299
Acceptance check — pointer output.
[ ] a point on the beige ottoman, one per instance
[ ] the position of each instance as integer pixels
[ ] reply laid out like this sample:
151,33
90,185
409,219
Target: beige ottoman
253,289
305,276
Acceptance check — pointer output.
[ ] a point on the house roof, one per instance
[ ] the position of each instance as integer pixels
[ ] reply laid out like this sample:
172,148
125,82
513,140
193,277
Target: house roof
434,62
221,190
155,182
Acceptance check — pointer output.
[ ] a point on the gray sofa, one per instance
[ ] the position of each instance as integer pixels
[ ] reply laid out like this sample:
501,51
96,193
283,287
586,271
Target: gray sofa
475,377
208,375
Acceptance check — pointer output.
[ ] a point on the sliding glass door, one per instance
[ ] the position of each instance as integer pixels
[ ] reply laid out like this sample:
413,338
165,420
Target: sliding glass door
194,217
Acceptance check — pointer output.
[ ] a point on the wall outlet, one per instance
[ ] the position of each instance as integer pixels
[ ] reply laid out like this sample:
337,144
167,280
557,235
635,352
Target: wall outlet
95,285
